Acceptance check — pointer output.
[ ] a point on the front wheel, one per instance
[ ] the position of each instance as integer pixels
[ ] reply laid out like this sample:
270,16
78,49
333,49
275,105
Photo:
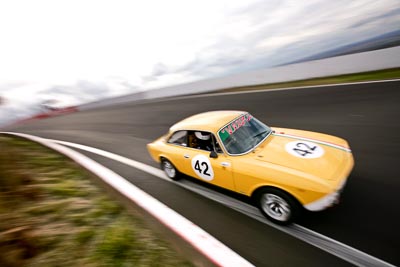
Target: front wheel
277,205
170,169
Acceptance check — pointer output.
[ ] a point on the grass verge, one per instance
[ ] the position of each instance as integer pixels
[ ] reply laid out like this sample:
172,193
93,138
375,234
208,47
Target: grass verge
354,77
51,214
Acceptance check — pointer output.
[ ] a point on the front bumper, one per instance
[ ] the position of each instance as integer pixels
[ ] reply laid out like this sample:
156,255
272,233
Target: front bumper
326,201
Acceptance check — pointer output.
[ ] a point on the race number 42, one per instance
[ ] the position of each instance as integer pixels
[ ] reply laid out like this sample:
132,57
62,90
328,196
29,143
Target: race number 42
202,167
304,149
198,167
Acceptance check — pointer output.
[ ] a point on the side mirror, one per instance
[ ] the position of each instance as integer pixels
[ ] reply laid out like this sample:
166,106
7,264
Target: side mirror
213,155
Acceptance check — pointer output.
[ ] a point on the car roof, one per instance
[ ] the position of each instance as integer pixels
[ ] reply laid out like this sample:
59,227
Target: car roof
210,121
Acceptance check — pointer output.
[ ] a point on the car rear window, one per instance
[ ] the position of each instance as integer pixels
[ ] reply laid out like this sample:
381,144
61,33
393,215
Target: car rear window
178,138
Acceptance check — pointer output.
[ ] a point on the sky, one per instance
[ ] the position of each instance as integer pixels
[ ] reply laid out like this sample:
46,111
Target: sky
81,51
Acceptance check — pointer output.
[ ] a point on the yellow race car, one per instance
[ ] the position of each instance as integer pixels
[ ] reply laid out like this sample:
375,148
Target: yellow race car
282,169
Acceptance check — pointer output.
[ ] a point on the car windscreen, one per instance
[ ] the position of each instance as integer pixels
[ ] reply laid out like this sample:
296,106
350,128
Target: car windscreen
243,134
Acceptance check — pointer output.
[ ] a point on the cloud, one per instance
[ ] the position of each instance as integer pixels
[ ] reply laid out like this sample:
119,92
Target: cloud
393,15
134,45
283,31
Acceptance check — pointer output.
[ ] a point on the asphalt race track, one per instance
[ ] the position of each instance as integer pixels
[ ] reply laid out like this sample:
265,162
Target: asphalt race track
367,115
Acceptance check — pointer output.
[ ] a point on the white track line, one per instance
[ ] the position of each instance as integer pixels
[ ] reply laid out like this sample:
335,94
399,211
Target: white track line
208,94
210,247
320,241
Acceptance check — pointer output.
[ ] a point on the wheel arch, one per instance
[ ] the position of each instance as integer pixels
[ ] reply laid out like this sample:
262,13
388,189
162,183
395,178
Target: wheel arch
255,194
163,157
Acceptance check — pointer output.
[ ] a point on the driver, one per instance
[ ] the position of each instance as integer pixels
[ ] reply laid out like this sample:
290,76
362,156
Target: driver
204,140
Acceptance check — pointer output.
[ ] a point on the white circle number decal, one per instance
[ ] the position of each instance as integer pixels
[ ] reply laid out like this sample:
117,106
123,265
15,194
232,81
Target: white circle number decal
202,167
304,149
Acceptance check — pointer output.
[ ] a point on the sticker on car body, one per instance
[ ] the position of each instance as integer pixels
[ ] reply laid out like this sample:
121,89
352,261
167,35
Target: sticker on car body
202,167
304,149
233,126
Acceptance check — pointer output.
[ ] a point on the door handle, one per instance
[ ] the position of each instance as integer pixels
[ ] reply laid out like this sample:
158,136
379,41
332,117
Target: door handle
225,164
186,156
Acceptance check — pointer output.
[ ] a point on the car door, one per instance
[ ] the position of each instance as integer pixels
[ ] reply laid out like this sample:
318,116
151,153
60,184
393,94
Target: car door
214,170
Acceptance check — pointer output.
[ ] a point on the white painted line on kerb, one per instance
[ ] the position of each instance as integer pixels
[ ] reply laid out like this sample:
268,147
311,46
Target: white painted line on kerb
325,243
318,240
213,249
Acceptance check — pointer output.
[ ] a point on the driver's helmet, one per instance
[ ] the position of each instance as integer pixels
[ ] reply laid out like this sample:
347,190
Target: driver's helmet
202,135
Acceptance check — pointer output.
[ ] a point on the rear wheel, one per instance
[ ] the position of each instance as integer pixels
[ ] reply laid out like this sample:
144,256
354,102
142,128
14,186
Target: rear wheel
277,205
170,169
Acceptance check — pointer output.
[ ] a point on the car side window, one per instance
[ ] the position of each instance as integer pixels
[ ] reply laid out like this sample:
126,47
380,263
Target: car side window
178,138
204,141
200,140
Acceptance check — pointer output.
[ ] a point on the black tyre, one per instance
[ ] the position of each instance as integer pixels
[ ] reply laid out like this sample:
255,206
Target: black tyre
278,206
170,169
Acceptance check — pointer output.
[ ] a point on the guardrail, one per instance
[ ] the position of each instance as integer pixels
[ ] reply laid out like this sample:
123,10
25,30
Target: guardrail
361,62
